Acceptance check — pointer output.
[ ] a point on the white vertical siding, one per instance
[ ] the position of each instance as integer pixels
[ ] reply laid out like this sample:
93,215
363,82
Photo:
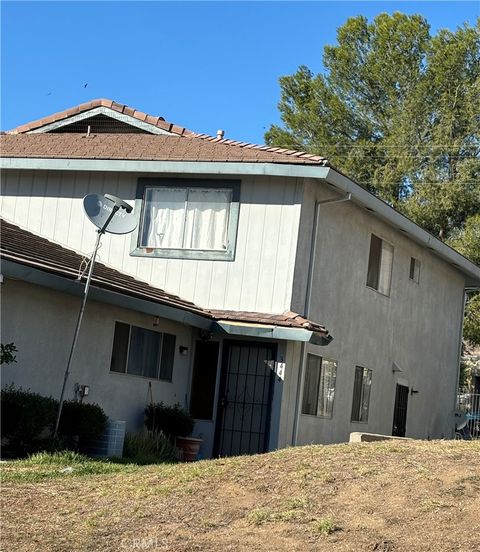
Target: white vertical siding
49,203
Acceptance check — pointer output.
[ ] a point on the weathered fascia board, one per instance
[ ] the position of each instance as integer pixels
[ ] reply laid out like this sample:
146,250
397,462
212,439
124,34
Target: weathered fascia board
102,110
42,278
411,230
359,195
180,167
269,332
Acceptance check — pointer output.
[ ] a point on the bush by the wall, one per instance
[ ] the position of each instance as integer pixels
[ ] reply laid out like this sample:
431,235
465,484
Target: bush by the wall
28,420
83,420
25,416
172,421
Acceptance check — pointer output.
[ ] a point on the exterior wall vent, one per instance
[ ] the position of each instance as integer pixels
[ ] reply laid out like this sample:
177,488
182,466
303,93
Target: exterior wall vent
99,124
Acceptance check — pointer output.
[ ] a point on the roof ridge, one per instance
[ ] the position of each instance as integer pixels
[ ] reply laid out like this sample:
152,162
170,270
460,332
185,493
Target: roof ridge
158,122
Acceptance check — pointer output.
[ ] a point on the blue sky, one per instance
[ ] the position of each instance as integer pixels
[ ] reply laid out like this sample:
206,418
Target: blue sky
203,65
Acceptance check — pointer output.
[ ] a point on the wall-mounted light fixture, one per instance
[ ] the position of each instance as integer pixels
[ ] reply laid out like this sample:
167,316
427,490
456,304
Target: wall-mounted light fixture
183,350
396,368
414,391
156,321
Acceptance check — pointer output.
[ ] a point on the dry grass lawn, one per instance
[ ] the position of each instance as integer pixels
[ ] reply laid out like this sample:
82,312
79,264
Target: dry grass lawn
391,496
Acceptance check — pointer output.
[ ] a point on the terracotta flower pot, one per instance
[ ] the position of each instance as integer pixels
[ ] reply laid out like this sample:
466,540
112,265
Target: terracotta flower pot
189,447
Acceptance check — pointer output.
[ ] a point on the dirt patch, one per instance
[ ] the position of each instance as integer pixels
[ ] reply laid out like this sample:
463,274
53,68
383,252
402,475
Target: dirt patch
384,497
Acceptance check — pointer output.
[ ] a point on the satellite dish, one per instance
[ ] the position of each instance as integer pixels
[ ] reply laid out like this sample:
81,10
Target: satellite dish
99,207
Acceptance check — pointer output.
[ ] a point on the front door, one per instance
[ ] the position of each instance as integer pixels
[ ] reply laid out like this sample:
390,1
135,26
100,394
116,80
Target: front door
400,411
243,417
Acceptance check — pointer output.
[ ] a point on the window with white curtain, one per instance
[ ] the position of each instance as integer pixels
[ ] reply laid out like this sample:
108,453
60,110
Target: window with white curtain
187,218
319,386
380,264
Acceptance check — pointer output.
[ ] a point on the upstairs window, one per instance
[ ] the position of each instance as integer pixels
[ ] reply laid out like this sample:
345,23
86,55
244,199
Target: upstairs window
414,270
380,263
319,386
190,219
141,352
361,394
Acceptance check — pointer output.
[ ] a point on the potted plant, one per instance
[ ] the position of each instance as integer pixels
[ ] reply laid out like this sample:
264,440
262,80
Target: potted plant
177,424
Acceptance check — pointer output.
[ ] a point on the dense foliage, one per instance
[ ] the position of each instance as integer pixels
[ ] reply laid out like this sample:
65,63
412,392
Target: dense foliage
87,421
398,110
25,416
28,420
7,353
172,421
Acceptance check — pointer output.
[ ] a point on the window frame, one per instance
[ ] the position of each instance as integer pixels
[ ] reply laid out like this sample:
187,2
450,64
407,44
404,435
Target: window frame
127,353
353,419
329,415
368,285
416,270
179,253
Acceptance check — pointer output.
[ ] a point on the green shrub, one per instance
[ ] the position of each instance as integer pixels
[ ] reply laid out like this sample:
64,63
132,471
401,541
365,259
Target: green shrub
25,416
172,421
148,447
83,420
28,420
7,353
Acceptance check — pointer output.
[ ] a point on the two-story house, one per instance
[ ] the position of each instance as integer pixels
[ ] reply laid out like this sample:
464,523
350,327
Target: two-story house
245,262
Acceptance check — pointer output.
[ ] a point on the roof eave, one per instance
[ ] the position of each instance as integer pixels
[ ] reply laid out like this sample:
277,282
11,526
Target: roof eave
409,228
359,194
40,276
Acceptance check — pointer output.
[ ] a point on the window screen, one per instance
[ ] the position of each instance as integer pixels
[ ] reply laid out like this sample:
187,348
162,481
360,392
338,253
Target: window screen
380,264
414,270
361,394
319,386
142,352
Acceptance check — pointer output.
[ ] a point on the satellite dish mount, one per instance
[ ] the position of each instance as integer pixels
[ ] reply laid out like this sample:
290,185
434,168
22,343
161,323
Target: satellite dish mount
109,214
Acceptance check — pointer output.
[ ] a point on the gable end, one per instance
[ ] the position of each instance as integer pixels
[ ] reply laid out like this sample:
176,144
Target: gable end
101,120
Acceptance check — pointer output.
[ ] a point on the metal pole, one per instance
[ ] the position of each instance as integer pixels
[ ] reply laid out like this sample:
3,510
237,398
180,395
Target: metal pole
80,316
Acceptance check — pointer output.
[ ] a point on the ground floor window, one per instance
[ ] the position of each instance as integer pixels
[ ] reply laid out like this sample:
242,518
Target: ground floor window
361,394
142,352
319,386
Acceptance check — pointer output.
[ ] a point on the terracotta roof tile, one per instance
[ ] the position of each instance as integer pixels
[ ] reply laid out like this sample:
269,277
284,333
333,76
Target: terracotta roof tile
24,247
151,147
160,122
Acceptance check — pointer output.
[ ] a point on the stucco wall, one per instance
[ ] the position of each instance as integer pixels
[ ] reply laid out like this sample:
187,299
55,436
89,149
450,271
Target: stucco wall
417,326
41,323
49,203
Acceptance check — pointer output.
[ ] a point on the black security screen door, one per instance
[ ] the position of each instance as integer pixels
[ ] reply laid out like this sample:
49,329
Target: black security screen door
245,395
400,411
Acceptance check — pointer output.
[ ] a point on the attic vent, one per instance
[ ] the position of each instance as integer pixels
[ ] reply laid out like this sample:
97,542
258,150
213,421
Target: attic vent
99,124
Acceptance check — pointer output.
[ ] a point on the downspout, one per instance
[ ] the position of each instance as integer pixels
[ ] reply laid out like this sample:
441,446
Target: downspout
308,299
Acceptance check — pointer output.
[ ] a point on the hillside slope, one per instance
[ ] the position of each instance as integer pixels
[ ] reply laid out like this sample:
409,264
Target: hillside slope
392,496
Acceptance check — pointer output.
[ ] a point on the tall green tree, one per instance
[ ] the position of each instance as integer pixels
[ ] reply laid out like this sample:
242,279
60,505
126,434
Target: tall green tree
399,111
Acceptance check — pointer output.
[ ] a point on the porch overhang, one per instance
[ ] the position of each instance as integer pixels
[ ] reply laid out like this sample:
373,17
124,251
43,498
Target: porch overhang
267,331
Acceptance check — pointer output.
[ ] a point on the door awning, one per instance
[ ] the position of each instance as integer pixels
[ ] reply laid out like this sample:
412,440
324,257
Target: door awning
288,326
